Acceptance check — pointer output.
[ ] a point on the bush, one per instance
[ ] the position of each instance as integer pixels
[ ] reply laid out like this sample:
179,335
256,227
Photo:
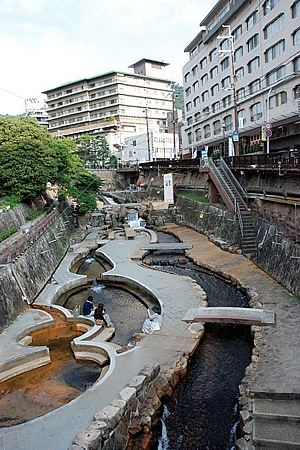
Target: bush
34,214
5,234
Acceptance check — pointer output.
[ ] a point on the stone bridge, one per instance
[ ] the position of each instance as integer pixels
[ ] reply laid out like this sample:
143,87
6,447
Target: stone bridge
246,316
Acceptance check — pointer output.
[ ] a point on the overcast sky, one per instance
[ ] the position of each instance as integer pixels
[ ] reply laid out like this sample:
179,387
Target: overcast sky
45,43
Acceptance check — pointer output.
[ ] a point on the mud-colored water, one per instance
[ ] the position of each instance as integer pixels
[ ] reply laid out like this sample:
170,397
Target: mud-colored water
34,393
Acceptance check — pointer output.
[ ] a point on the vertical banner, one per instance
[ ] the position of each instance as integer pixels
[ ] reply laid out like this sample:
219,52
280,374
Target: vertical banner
168,188
204,156
230,147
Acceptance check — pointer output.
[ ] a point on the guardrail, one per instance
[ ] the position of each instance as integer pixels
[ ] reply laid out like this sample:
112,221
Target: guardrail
274,162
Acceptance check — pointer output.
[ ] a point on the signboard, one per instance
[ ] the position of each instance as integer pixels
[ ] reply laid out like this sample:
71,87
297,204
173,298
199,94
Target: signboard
168,188
263,133
268,125
235,136
269,133
204,156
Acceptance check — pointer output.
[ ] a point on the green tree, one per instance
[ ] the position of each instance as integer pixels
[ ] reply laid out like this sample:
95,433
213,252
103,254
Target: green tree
27,157
94,150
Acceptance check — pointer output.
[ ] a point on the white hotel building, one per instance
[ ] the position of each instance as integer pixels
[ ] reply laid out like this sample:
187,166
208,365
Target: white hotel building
244,71
115,104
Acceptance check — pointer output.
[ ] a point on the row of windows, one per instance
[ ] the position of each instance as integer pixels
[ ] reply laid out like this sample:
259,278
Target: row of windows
270,30
277,99
254,86
268,6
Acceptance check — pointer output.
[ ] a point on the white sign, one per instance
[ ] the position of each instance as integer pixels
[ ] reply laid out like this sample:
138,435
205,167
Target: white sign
168,188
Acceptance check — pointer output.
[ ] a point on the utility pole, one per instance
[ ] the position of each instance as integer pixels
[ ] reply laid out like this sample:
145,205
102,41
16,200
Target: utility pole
230,50
148,137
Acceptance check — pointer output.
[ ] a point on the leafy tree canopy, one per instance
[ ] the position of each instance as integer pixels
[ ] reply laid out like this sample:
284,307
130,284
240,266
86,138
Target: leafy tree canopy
94,150
30,157
27,157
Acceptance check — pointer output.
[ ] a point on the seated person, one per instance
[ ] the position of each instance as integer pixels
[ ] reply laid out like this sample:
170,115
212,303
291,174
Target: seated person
88,307
100,316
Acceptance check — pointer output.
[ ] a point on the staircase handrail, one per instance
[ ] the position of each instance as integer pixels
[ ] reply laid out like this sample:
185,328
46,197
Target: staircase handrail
239,216
219,179
235,182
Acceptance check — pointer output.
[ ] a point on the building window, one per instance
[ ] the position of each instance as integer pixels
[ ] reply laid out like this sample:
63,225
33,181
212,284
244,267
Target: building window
237,32
194,70
196,86
188,106
203,63
228,122
296,37
226,45
226,101
217,127
238,54
187,77
214,72
275,51
252,20
239,74
193,52
190,138
278,99
274,26
296,91
213,54
215,107
255,86
240,93
197,116
226,82
207,132
196,102
188,92
241,118
269,5
255,111
204,79
204,96
206,111
296,64
189,120
198,134
253,42
253,64
225,63
275,75
214,89
296,9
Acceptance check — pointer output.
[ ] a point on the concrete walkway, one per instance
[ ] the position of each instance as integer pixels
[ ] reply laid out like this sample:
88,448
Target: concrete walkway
57,429
277,367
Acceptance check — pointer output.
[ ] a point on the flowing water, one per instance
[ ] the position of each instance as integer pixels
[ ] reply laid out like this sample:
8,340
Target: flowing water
203,411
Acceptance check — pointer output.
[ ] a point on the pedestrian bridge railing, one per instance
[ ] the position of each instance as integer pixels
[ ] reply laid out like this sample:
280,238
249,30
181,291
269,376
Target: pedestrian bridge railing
247,316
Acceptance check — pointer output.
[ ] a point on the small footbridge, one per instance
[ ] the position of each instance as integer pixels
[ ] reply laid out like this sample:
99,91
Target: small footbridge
167,246
246,316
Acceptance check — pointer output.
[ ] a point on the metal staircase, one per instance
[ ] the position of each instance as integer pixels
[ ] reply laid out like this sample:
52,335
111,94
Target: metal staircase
235,198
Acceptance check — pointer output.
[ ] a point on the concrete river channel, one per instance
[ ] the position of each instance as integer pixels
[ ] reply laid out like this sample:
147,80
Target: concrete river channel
203,411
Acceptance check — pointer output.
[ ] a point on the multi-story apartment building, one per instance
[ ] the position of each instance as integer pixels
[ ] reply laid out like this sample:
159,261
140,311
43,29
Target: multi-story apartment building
161,147
116,104
242,80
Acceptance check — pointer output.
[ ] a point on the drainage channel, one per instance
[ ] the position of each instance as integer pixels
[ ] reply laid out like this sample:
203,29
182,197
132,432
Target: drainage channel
203,411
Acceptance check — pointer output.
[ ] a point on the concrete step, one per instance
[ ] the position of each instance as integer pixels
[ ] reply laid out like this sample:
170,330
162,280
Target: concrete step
275,434
276,424
278,409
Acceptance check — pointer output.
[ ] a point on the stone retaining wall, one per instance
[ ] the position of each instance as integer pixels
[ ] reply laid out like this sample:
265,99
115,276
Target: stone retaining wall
277,255
127,422
23,279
